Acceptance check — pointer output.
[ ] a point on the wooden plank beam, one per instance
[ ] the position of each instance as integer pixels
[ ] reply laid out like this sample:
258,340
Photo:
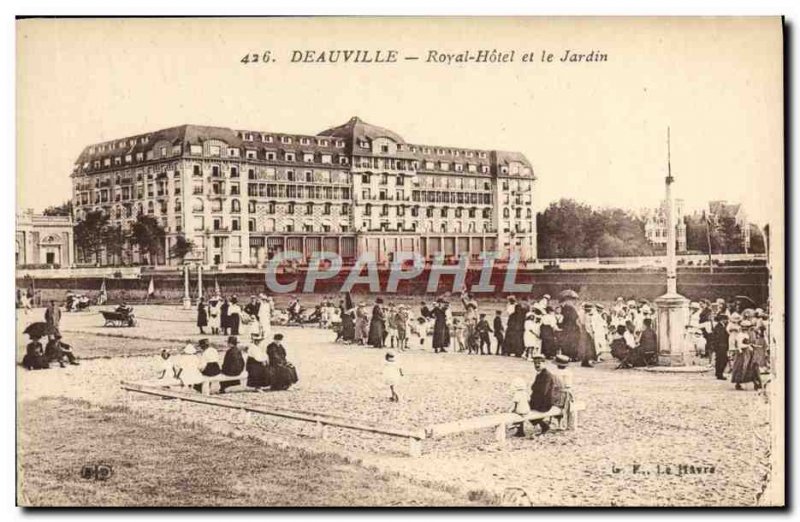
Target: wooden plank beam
277,412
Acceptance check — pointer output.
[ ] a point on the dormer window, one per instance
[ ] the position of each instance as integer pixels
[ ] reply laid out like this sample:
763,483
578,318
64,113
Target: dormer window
322,143
290,156
343,160
482,155
250,154
340,144
308,157
233,152
363,144
305,141
266,138
286,139
485,169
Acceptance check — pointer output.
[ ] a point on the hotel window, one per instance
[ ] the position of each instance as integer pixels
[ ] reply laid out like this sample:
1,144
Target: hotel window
326,158
235,224
107,162
305,141
471,212
340,144
251,225
270,156
233,152
251,173
308,157
322,143
308,228
251,206
368,210
309,176
429,165
235,206
345,209
234,172
326,209
290,156
216,205
234,189
286,139
199,223
482,155
343,160
309,209
485,169
213,150
128,158
384,148
196,150
290,208
459,167
290,175
151,208
215,171
271,207
504,170
365,178
163,152
266,139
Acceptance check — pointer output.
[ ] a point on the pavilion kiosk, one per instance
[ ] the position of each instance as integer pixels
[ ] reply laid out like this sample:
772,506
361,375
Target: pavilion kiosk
672,308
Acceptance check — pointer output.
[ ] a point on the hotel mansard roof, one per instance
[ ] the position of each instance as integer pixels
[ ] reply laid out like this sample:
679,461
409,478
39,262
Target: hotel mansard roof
343,139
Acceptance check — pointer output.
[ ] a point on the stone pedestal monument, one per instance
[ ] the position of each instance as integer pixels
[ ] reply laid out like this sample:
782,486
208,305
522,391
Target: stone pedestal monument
672,308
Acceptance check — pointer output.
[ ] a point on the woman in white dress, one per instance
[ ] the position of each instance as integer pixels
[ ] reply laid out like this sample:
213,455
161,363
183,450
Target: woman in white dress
265,316
187,368
214,314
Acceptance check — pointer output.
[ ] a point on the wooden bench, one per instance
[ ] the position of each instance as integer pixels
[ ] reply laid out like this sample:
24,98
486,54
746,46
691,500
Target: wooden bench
205,384
501,422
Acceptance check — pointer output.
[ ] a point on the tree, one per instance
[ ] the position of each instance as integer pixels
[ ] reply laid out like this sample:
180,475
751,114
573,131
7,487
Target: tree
181,248
570,229
90,234
64,209
757,243
116,240
148,235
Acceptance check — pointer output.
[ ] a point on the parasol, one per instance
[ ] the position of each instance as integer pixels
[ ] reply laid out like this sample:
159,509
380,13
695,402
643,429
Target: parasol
745,298
38,329
568,294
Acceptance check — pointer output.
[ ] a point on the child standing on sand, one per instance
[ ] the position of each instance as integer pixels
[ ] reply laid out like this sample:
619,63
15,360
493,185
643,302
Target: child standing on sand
392,375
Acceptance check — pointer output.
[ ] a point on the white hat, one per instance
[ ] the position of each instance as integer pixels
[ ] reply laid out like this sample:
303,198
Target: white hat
694,304
517,384
631,303
189,349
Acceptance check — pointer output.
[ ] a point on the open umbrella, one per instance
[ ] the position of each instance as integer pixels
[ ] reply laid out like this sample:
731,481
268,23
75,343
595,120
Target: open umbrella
38,329
746,299
568,294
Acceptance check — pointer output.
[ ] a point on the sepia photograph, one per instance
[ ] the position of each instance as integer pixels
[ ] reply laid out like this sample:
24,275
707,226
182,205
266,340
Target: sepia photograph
480,262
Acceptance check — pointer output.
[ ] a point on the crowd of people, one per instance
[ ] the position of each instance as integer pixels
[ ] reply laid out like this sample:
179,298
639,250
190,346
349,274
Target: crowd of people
226,316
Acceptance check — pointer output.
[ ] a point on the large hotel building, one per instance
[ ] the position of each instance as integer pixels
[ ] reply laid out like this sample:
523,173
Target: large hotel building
243,195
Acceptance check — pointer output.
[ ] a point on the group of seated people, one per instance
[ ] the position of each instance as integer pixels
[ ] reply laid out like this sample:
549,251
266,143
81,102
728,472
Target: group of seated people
632,349
266,368
77,302
550,387
39,358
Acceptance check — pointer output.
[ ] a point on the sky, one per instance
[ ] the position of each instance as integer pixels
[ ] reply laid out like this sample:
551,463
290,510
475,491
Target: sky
594,132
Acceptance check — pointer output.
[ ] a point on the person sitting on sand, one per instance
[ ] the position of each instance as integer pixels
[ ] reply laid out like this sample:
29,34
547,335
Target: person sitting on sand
57,351
34,355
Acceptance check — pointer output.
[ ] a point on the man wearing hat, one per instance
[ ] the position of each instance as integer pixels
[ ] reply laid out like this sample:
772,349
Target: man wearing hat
543,391
233,363
58,351
482,329
719,345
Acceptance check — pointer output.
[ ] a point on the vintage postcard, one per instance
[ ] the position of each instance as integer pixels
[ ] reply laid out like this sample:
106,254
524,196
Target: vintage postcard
291,262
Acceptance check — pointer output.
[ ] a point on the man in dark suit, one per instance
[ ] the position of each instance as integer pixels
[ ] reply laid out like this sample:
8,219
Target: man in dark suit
719,339
499,331
542,391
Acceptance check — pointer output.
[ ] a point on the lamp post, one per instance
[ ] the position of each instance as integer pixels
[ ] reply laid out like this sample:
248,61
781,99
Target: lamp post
187,301
672,308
